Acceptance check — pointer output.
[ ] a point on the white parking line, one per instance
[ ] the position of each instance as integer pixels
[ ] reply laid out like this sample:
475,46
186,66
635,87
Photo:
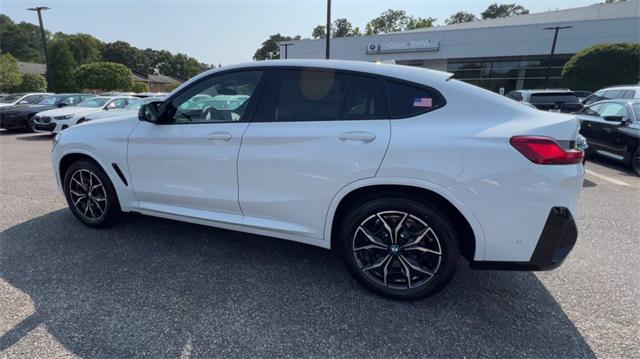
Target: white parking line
607,178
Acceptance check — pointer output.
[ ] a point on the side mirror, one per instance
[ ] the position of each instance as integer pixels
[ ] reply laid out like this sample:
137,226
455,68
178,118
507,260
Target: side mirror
63,104
150,112
612,118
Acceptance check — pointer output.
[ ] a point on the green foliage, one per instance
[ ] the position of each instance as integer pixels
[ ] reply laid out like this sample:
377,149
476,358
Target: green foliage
85,48
181,65
603,65
140,87
319,32
171,87
10,76
270,48
460,17
394,21
61,67
340,28
32,83
122,53
420,23
503,10
21,40
105,76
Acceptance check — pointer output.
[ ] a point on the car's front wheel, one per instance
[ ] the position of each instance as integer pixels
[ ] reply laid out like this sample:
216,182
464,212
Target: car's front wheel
90,194
399,247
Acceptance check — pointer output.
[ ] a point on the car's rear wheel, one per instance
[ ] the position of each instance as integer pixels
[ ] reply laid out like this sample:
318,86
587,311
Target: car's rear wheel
635,161
90,194
399,247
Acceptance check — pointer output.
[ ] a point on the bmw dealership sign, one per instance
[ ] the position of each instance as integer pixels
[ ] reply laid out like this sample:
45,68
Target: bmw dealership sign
403,46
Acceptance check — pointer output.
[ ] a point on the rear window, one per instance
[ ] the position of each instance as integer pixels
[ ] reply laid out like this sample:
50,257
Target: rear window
408,100
550,97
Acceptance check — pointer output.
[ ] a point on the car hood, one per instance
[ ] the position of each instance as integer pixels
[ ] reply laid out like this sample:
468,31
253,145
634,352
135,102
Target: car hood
71,110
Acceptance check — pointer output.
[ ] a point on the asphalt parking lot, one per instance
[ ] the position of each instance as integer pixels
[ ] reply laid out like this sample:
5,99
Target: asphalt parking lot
159,288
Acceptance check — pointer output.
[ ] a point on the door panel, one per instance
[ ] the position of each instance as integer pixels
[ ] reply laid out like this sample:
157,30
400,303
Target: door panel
314,132
289,172
183,167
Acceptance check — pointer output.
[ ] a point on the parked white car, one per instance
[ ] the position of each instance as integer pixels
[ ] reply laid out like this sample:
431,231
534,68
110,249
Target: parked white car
22,98
400,169
63,118
131,108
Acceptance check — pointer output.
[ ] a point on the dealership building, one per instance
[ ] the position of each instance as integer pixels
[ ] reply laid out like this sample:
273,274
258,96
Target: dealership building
498,54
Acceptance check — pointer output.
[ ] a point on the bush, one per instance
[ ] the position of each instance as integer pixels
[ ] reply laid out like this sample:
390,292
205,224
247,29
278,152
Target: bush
105,76
33,83
602,66
10,76
139,87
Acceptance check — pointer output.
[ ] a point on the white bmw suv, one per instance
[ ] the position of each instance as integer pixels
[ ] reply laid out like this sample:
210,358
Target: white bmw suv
60,119
402,170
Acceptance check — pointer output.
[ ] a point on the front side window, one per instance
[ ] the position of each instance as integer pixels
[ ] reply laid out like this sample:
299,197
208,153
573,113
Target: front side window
32,99
628,94
49,100
222,98
94,102
614,109
636,110
117,103
408,100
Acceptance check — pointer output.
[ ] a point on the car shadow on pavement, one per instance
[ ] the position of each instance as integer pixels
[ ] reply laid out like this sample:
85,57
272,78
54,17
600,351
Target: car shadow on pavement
162,288
36,137
621,168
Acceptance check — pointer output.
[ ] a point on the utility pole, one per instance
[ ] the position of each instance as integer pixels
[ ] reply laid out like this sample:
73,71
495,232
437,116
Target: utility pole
328,33
286,49
553,50
39,10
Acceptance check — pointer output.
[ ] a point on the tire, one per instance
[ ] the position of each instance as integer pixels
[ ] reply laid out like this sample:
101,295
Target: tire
635,161
425,243
99,209
31,126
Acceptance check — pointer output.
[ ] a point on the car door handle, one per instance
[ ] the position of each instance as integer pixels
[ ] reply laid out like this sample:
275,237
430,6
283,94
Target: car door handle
219,136
361,136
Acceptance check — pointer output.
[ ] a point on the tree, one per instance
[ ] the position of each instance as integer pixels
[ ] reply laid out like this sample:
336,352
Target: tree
181,65
503,10
270,48
61,67
460,17
32,83
343,28
85,48
396,20
105,76
10,76
122,52
420,23
21,40
602,66
319,32
139,87
389,21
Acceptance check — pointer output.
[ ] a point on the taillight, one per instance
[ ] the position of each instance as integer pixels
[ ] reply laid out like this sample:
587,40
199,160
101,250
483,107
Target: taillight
545,151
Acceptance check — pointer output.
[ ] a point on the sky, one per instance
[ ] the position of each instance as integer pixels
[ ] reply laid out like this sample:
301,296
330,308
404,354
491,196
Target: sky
225,31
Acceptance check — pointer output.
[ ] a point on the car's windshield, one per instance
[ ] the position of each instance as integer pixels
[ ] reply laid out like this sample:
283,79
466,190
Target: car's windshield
11,98
94,102
49,100
553,97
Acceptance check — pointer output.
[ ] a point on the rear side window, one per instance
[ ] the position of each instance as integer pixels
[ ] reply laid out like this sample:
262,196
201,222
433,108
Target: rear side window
550,97
409,100
628,94
322,95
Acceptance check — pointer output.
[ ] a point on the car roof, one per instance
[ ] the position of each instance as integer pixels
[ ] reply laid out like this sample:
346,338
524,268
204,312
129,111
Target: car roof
621,87
403,72
621,101
546,91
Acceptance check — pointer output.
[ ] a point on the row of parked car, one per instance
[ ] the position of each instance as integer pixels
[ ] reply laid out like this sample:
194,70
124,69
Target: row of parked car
610,118
48,112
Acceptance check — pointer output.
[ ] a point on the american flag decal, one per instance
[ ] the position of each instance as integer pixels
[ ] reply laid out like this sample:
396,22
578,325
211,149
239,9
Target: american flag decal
422,102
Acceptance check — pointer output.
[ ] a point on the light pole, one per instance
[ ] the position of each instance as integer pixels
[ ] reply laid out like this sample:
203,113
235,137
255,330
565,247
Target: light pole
328,33
39,10
553,50
286,49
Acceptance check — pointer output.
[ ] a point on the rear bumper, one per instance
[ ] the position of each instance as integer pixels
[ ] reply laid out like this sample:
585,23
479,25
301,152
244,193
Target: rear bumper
558,237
